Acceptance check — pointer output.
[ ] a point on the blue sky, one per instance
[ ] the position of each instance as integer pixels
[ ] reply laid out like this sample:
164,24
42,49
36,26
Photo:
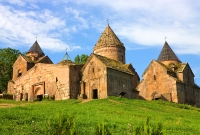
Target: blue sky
77,24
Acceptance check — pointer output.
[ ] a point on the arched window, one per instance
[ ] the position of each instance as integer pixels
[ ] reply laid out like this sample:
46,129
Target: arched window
19,73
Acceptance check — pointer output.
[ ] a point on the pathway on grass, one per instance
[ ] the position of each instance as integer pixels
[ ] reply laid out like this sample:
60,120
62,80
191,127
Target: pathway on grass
3,105
85,100
7,105
115,101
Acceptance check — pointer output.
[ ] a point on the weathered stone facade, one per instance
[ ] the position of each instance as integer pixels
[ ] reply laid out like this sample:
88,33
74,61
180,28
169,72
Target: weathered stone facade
61,81
104,74
103,77
169,79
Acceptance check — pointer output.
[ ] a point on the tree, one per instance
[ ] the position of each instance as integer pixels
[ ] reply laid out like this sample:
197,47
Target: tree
77,59
81,59
7,59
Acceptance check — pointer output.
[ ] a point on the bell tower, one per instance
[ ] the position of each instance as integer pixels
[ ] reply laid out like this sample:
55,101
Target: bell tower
35,52
167,55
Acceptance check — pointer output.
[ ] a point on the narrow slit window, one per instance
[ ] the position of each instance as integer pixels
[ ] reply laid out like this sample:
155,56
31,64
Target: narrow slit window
92,70
154,77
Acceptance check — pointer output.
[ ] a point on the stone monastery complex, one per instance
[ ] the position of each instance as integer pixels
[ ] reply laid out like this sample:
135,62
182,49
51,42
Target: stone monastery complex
104,74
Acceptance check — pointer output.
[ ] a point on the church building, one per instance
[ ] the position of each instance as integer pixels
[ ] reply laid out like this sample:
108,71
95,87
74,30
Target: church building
104,74
169,79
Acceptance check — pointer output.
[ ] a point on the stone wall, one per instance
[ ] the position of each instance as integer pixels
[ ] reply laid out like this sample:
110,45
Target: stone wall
157,84
180,92
112,52
188,79
19,67
75,78
49,79
119,82
197,96
94,80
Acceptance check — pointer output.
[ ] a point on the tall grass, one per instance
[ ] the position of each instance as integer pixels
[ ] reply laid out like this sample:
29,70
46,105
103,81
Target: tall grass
118,116
62,125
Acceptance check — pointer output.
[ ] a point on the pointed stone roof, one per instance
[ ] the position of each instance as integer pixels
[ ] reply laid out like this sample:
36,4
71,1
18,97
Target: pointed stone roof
108,38
36,48
167,54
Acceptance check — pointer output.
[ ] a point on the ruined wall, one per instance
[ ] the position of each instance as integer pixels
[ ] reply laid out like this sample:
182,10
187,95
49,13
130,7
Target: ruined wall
43,79
119,82
10,87
157,83
75,78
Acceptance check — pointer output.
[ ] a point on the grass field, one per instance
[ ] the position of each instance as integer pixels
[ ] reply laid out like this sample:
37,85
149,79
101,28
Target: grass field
119,115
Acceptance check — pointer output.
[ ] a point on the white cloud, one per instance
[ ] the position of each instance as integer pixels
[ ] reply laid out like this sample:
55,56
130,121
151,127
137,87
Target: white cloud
177,24
34,6
21,27
76,15
147,22
143,22
18,2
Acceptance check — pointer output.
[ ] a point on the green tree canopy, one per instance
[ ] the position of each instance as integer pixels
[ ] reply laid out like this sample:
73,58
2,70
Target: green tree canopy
81,59
7,59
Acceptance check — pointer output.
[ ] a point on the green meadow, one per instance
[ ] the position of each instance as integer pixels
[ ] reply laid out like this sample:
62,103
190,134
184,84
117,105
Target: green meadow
114,115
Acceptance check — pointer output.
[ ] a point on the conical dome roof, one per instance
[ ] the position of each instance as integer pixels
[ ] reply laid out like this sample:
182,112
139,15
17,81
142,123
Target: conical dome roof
167,54
36,48
66,60
108,38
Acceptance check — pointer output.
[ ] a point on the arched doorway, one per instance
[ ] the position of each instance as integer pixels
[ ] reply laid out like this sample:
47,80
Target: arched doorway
94,91
155,96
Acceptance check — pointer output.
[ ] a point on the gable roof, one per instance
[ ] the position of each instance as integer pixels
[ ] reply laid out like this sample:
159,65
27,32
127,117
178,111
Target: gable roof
113,64
36,48
167,54
18,58
180,68
40,60
183,66
108,38
28,59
